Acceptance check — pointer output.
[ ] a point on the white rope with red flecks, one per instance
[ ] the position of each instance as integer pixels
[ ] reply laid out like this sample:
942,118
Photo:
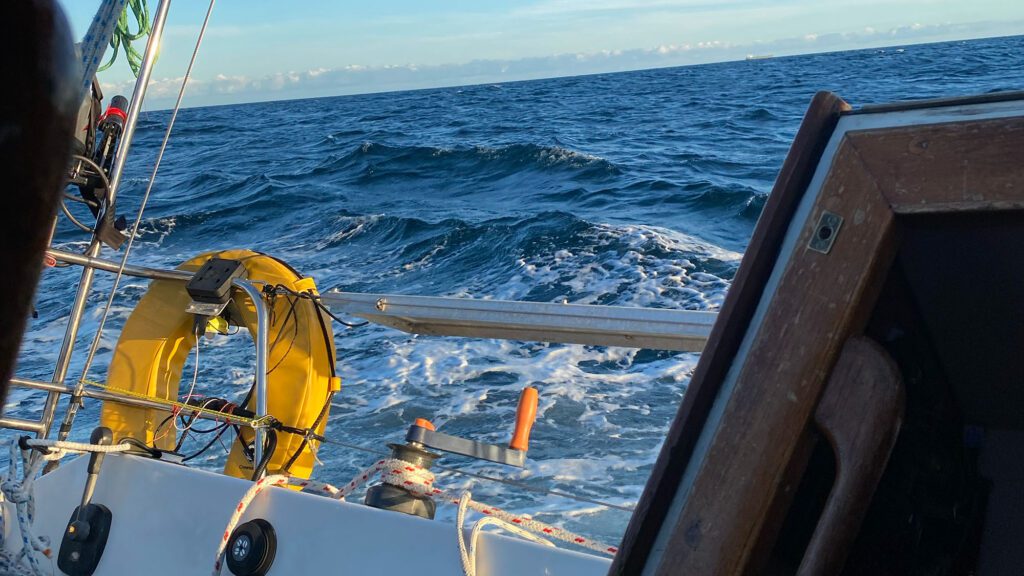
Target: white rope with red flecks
420,482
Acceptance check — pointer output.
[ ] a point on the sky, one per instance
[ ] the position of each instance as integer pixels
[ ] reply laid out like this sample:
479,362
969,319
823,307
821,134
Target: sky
258,50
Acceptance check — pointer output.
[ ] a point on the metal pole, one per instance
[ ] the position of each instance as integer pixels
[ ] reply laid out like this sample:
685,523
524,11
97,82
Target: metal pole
653,328
129,270
261,364
98,394
60,371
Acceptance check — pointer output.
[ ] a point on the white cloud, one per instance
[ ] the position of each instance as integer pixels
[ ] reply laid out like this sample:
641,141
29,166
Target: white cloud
356,78
562,7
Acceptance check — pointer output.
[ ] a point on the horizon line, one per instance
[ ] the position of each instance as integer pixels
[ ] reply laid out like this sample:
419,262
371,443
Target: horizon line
582,75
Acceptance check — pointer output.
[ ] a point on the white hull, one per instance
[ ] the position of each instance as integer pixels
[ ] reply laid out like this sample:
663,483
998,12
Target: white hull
169,519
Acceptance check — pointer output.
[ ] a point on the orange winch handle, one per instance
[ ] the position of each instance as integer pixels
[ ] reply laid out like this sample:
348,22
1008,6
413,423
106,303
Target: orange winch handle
526,414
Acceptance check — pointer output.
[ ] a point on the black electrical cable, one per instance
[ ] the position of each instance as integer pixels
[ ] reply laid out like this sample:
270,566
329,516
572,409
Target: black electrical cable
106,183
268,453
79,199
184,433
216,428
96,168
209,444
154,452
163,423
295,333
335,318
187,424
67,212
311,432
316,300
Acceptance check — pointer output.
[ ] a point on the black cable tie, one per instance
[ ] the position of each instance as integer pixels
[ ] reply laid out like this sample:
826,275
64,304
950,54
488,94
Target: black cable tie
23,443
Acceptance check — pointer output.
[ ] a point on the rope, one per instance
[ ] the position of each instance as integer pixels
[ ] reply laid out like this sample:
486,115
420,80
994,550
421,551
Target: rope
123,36
57,449
513,483
420,482
95,41
468,555
20,493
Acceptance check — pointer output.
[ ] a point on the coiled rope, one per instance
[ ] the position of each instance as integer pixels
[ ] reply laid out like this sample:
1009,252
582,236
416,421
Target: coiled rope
420,482
21,494
122,36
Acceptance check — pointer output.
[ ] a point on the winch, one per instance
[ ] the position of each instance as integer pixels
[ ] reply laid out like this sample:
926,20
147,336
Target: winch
422,436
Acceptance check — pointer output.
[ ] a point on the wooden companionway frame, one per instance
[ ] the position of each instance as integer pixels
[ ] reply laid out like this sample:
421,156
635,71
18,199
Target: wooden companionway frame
792,308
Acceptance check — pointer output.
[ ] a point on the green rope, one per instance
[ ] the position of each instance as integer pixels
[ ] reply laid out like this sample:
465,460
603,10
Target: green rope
123,36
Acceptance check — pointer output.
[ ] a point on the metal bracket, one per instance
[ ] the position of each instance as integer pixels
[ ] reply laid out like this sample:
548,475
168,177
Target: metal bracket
210,287
825,232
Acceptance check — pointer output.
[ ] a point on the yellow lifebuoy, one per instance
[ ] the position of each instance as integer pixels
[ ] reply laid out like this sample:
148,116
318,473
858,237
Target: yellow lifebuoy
158,337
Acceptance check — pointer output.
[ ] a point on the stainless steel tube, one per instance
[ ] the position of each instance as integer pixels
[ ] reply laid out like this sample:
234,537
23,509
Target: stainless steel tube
21,424
110,266
98,394
60,370
261,363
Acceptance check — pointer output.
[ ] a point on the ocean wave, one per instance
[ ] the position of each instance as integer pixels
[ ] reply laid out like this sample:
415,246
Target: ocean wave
632,189
372,162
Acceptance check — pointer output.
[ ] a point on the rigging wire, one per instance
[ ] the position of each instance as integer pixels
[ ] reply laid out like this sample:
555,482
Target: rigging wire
77,396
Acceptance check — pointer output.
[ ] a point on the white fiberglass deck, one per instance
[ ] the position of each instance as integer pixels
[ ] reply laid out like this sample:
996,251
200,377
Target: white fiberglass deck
168,520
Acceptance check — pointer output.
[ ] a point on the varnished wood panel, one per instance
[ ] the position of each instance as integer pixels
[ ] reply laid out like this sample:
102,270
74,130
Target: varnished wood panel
956,166
822,300
746,289
860,413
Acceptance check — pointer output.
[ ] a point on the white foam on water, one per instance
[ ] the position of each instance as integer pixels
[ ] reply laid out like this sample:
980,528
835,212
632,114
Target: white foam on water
603,411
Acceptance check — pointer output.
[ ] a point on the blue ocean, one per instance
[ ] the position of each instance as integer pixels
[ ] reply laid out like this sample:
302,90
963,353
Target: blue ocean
633,189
